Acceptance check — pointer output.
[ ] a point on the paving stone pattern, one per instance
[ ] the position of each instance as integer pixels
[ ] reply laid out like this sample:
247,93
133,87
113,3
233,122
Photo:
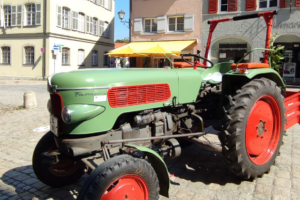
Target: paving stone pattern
199,174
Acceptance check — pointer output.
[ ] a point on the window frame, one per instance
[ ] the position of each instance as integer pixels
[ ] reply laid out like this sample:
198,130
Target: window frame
220,6
268,5
33,14
95,22
63,17
97,58
62,56
5,15
5,46
151,25
106,58
25,59
83,58
176,24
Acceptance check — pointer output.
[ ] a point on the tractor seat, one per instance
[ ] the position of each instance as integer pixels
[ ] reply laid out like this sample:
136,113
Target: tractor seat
250,66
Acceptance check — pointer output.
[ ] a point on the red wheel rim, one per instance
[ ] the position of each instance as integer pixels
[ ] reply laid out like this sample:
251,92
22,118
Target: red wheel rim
131,187
263,130
64,167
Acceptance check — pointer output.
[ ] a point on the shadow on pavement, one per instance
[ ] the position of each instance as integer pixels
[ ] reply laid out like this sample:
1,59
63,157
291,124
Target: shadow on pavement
21,183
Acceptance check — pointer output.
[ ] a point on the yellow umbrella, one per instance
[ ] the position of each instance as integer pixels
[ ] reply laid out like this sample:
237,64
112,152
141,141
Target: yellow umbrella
127,50
155,50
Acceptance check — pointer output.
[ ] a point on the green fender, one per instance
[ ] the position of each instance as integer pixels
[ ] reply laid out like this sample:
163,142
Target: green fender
159,166
252,74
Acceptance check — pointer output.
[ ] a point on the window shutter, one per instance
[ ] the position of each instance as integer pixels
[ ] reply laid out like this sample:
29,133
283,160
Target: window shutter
212,6
189,22
19,15
109,4
297,3
101,23
251,5
101,2
282,3
91,25
138,25
38,14
59,16
106,4
161,24
87,24
13,15
75,20
232,5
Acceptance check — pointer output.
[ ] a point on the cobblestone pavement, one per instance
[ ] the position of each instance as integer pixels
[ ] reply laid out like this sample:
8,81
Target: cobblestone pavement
199,173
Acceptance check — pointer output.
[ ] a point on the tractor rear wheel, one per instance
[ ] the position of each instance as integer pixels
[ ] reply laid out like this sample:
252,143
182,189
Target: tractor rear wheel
121,177
254,127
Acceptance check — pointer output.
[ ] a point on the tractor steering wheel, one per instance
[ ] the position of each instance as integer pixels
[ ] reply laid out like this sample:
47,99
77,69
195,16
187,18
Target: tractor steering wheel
197,56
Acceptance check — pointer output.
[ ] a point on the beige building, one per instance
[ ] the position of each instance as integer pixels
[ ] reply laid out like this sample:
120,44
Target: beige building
81,30
167,20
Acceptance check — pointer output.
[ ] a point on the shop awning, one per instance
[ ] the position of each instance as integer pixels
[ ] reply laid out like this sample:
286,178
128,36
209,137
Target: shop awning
144,49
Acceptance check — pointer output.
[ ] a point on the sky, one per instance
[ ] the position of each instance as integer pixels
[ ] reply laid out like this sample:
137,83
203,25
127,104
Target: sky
121,31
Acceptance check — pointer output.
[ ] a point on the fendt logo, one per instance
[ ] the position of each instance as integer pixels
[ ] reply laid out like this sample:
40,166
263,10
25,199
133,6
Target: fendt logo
80,94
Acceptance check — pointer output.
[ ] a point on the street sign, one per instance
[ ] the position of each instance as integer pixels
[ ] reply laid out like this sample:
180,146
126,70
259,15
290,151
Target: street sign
60,45
55,47
43,50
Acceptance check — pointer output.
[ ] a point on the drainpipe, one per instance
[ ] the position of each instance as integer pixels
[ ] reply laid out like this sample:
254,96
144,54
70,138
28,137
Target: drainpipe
45,39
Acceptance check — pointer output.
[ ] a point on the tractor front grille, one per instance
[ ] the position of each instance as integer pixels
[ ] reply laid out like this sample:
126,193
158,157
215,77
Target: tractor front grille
138,94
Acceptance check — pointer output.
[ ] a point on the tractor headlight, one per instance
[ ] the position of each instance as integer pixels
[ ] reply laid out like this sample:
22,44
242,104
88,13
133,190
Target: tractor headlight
66,115
49,106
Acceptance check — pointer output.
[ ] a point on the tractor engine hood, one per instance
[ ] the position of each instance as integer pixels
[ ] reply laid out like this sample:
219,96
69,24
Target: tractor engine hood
110,78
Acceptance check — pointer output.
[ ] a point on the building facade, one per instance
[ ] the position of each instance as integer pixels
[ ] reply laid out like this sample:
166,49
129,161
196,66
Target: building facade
42,37
231,40
171,20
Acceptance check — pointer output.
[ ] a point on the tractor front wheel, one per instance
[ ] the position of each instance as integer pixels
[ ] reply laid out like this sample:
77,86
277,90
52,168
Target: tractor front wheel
121,177
254,128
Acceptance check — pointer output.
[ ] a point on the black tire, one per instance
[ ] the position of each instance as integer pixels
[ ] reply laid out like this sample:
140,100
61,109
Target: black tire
45,174
233,136
110,171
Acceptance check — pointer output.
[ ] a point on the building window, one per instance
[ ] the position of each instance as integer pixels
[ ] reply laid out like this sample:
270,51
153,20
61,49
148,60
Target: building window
65,56
81,22
80,57
95,26
30,14
268,3
5,55
29,55
176,23
7,15
106,59
106,30
224,5
95,58
66,18
150,25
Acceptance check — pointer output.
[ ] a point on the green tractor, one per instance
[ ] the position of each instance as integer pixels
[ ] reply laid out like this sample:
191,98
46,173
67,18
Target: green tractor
118,124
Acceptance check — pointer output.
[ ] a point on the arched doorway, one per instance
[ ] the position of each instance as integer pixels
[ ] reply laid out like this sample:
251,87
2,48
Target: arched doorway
291,63
230,49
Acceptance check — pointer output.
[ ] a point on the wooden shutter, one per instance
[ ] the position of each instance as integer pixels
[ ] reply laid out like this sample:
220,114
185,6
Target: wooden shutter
59,16
189,22
212,6
138,26
75,20
13,15
282,3
251,5
109,4
297,3
91,25
101,25
161,24
232,5
87,24
19,15
38,14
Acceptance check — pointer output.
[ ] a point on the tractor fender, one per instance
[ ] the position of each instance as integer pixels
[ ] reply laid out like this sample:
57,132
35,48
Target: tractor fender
159,166
230,80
